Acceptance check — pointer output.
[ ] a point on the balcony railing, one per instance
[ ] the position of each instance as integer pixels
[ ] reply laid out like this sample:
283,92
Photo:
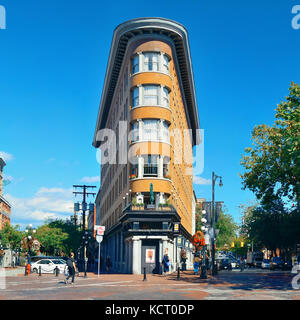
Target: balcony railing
150,170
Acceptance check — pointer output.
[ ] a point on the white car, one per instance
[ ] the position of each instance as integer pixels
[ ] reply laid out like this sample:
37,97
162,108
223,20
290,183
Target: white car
48,266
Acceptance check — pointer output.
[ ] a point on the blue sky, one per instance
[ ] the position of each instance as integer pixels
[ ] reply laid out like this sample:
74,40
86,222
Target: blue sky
53,58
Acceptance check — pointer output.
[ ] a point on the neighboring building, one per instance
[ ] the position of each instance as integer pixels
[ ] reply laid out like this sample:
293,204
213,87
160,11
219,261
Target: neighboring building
5,207
148,90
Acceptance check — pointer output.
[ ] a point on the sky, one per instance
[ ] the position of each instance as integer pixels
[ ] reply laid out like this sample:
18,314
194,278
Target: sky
53,58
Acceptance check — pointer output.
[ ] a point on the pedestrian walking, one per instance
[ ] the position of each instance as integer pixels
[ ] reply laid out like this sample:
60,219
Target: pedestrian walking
71,267
242,264
166,262
196,264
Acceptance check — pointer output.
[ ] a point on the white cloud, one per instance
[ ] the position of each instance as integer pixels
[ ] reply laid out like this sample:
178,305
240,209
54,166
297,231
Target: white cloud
90,179
6,156
45,203
201,181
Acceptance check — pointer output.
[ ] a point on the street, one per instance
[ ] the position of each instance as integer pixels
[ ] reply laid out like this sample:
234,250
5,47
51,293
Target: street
252,284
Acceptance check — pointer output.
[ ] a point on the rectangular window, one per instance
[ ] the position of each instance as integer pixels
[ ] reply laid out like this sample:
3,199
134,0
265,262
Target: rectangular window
165,97
151,95
151,61
135,64
135,132
166,64
165,132
135,97
150,165
150,130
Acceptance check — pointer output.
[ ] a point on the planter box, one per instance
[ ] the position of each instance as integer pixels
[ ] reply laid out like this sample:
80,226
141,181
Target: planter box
137,208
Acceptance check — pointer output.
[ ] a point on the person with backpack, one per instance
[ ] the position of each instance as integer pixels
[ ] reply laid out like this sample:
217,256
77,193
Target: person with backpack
71,267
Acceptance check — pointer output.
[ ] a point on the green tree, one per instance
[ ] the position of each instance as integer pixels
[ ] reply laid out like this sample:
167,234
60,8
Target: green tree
73,239
51,239
11,236
227,229
272,165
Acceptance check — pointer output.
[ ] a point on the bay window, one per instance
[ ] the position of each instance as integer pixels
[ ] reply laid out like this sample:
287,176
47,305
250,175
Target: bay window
151,62
150,95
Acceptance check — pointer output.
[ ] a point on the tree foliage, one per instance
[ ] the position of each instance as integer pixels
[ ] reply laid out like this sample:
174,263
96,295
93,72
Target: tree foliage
272,226
11,236
58,236
227,229
272,165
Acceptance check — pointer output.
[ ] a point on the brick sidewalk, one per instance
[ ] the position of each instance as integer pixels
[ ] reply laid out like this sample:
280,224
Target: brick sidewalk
226,286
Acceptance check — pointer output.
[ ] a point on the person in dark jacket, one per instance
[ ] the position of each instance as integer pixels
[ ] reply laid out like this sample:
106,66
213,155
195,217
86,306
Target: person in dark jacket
166,262
71,267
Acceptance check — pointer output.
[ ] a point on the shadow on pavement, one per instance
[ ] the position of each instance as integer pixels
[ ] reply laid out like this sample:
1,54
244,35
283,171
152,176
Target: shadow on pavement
239,280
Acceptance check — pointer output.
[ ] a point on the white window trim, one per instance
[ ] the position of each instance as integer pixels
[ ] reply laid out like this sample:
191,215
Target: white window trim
160,63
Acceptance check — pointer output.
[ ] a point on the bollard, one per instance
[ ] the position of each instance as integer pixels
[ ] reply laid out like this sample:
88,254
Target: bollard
145,279
178,273
56,271
26,270
40,271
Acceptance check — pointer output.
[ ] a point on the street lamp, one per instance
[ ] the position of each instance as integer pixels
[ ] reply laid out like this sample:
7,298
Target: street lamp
29,231
214,179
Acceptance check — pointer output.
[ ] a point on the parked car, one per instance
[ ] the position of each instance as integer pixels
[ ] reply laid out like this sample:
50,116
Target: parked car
265,264
48,265
276,263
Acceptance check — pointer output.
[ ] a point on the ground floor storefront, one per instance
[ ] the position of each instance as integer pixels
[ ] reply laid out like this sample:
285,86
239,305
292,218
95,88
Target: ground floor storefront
140,240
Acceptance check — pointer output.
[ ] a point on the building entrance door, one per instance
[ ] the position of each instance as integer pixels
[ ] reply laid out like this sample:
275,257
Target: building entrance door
150,256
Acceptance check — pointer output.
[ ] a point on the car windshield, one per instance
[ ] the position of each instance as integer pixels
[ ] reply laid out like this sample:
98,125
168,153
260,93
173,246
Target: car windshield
57,262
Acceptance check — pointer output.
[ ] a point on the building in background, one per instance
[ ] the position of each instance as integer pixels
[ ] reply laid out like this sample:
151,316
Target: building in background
149,102
5,207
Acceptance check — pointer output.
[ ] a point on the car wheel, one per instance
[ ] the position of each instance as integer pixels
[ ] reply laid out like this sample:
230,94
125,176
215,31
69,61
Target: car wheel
35,270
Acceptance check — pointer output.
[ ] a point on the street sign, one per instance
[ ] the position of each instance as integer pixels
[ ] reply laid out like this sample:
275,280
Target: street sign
99,238
100,230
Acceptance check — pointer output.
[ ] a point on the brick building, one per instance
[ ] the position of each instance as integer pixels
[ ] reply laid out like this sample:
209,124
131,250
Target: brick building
5,207
149,102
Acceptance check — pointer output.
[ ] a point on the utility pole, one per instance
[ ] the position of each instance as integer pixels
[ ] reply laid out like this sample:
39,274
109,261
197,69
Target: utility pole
85,194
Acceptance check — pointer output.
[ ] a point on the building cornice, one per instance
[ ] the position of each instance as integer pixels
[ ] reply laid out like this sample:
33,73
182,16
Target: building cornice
155,27
5,201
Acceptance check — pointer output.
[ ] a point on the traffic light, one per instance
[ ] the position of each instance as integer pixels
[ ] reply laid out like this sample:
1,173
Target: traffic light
242,244
232,244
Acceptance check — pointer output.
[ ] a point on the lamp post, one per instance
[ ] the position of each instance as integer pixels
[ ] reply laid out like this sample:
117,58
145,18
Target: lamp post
214,179
29,231
204,228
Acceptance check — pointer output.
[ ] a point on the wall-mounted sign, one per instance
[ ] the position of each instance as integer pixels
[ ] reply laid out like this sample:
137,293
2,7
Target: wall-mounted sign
176,227
150,256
